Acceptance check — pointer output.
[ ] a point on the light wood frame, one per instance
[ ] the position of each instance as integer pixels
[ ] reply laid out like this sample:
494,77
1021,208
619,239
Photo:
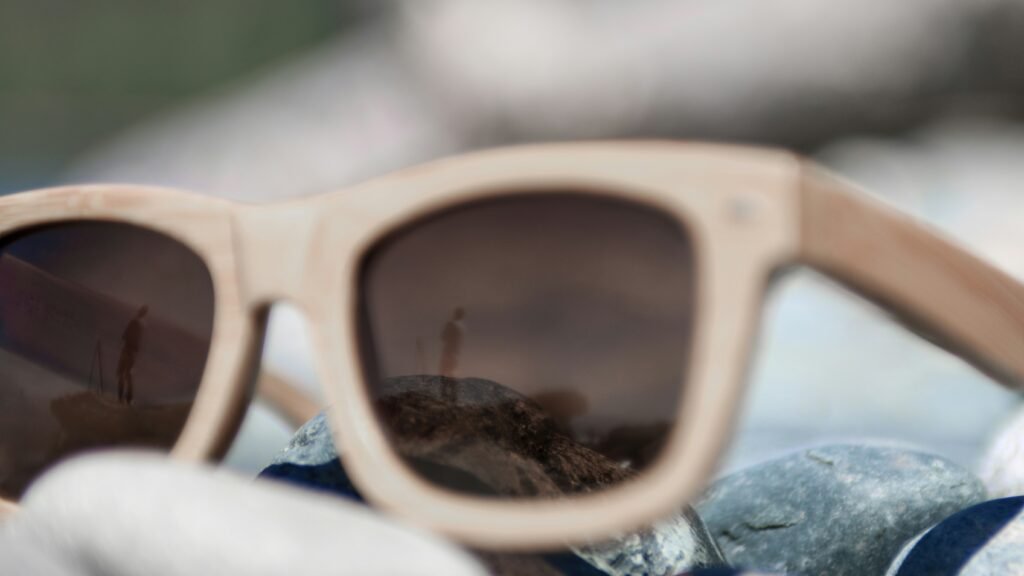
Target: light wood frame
752,212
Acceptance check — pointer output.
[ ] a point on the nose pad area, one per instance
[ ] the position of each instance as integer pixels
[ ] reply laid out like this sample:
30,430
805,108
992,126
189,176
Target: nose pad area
274,244
288,357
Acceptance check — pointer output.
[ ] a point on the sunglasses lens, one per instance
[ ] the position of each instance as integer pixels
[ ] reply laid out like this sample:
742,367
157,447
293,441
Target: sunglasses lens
104,332
529,346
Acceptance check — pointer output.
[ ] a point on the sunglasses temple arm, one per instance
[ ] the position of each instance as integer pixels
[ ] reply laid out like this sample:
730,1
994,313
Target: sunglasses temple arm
286,399
931,284
7,508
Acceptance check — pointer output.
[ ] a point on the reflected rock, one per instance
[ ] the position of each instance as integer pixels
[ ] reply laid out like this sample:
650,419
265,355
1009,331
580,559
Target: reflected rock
449,428
83,421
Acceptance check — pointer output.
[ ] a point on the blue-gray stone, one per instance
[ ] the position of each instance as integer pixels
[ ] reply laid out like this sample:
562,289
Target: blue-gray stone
311,460
726,572
837,510
669,547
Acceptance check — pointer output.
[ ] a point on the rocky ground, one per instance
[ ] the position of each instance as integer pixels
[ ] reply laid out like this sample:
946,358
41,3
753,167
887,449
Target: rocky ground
839,509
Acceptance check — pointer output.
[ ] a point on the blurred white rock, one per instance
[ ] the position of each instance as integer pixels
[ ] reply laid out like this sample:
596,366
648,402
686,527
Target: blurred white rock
127,513
1001,467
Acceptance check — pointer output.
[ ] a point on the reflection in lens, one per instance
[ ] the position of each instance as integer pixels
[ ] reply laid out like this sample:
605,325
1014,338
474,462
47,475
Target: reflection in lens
529,346
104,332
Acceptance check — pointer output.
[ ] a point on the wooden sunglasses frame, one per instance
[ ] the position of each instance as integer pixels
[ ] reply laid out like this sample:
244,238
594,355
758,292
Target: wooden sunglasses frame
751,213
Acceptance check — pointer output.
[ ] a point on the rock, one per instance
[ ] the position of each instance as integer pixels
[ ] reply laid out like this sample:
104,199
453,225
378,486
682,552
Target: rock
836,510
668,547
513,434
725,572
1001,467
986,539
311,460
87,514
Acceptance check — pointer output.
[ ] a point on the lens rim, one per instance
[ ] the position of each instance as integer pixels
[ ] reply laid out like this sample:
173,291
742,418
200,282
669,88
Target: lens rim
88,240
611,202
201,224
696,185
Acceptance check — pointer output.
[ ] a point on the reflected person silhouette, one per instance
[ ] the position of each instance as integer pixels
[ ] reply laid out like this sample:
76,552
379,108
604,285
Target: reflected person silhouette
451,345
130,341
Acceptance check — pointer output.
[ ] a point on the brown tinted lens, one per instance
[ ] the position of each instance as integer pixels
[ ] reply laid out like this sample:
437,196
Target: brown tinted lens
531,346
104,332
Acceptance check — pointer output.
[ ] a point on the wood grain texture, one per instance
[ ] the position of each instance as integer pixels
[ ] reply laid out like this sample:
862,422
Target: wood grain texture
750,212
739,205
928,282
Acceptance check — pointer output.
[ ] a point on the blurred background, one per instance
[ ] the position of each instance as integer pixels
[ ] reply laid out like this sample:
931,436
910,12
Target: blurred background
921,101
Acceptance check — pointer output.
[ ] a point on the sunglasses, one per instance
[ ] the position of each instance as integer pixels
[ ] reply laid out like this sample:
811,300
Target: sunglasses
522,348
